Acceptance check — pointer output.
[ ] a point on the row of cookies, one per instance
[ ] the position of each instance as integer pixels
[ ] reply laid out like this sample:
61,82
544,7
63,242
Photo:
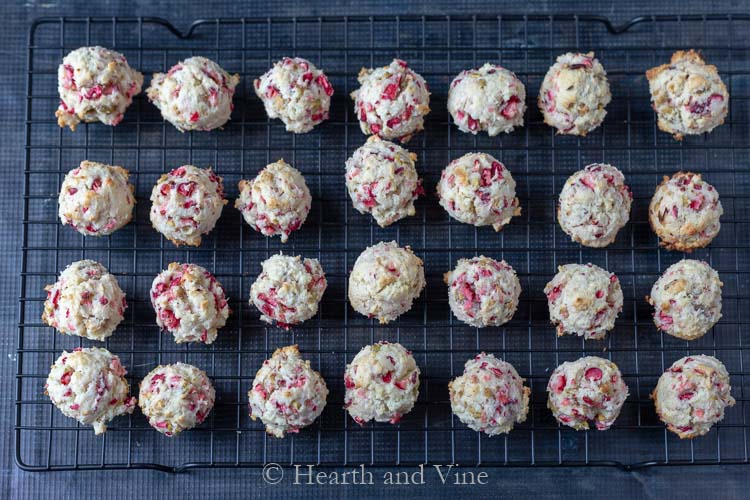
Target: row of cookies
97,84
382,384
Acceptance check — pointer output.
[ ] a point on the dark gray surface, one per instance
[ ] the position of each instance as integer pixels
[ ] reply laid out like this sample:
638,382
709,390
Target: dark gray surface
726,482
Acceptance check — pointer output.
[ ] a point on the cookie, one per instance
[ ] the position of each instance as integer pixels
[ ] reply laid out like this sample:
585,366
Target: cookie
584,300
176,397
589,388
685,212
489,396
687,299
488,99
692,395
186,203
96,199
287,394
483,292
296,92
288,290
574,94
276,202
385,281
688,95
382,383
89,386
477,189
95,85
85,301
594,205
189,303
392,101
382,181
195,94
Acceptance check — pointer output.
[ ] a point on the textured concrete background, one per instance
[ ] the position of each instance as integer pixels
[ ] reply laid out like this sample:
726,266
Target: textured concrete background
665,482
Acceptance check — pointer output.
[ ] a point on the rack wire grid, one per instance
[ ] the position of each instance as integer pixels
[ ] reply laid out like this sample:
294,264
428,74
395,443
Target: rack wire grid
540,161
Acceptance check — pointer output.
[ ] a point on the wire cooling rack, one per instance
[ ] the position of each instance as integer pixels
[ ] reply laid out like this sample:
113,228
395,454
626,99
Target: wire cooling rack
438,48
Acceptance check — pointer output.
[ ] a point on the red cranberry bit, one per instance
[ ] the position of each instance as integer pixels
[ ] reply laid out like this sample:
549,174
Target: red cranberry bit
593,374
171,322
69,77
75,406
588,182
498,373
393,122
588,401
375,128
559,384
72,191
401,384
348,383
213,96
94,92
65,379
554,293
189,203
186,188
162,424
511,107
697,202
55,297
178,172
665,321
96,184
195,117
103,300
395,418
387,377
564,419
685,396
323,82
599,294
307,77
472,123
113,402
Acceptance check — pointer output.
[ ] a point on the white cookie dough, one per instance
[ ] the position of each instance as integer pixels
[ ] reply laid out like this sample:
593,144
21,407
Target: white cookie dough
483,292
574,94
382,181
195,94
584,300
186,203
288,290
95,84
685,212
594,205
687,299
85,301
385,281
189,303
490,396
382,383
488,99
96,199
296,92
477,189
176,397
392,101
287,394
589,388
692,394
276,202
688,95
89,385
